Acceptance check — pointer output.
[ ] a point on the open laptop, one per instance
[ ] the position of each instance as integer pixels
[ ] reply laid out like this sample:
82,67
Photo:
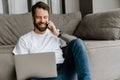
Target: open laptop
41,65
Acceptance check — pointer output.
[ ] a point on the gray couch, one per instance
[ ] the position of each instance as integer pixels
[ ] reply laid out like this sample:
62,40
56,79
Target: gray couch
100,32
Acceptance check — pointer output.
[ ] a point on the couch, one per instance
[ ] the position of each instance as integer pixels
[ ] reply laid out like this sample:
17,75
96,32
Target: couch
99,31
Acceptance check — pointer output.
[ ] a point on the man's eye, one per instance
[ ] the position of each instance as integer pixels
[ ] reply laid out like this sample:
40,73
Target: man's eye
45,17
37,17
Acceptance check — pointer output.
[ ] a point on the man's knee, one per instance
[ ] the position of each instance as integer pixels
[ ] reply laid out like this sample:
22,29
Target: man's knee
77,41
77,44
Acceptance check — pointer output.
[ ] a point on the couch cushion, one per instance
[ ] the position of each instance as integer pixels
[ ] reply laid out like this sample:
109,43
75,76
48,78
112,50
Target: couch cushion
103,26
95,44
66,22
104,59
7,70
13,26
7,49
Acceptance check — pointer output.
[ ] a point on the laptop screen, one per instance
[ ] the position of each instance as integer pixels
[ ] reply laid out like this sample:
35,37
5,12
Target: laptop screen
41,65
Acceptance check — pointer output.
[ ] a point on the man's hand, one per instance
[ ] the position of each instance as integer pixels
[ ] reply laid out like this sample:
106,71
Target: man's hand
52,28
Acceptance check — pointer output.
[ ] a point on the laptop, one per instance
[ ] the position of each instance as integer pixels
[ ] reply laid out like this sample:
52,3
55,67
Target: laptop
42,65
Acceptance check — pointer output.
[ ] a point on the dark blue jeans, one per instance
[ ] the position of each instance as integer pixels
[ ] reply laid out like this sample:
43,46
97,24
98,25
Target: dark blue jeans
76,64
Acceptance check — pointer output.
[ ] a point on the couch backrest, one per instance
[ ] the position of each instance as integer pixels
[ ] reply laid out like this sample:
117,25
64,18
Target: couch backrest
66,22
15,25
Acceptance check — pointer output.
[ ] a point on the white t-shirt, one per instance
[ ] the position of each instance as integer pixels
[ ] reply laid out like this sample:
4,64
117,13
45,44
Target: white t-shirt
36,43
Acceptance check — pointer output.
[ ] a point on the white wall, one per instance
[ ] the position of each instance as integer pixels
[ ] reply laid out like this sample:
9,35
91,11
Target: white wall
54,5
105,5
17,6
72,5
21,6
1,7
34,1
56,9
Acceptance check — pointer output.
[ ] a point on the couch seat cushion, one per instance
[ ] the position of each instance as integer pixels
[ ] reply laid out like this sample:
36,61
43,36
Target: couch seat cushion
104,59
7,70
94,44
6,49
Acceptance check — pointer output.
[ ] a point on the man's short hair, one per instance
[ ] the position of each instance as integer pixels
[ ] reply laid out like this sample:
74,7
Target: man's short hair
39,5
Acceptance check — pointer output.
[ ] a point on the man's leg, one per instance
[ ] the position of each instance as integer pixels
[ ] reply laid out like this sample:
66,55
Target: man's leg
76,59
77,52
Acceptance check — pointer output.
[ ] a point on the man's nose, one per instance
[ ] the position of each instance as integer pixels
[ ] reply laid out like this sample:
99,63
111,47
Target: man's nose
42,20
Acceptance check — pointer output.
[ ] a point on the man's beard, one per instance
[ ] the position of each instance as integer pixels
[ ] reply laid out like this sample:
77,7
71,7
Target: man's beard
41,29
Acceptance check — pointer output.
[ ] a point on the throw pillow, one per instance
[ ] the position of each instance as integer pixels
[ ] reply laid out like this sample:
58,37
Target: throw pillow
100,26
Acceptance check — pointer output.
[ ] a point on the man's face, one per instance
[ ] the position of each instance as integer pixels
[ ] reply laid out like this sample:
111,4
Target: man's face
40,19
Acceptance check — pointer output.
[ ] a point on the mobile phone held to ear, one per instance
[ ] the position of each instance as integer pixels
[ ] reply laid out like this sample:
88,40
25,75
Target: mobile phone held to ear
47,26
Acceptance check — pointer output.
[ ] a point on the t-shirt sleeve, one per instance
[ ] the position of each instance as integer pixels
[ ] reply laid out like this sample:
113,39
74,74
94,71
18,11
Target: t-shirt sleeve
66,37
21,47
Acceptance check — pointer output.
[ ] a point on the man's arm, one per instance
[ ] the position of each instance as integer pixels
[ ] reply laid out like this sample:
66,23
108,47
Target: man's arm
58,33
68,38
